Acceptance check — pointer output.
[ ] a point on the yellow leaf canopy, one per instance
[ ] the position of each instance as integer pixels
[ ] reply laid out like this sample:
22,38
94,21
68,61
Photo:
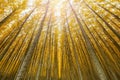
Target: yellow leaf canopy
59,39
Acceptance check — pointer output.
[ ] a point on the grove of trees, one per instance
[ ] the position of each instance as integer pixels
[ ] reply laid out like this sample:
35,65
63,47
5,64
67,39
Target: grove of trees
59,39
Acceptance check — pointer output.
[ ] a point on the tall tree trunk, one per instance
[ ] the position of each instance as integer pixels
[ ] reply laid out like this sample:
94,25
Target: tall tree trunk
117,34
42,51
30,51
75,52
90,49
6,48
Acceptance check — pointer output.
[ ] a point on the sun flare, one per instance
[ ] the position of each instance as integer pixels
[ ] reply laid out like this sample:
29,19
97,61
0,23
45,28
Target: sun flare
59,39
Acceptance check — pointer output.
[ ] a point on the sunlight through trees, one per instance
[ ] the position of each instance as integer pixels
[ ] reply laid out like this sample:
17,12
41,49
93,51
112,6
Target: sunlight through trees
59,39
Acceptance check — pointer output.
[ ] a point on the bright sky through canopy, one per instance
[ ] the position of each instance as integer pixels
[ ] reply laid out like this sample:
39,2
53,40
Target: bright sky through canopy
59,39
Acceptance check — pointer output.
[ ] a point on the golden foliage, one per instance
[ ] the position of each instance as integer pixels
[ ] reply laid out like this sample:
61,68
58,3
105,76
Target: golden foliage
59,39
